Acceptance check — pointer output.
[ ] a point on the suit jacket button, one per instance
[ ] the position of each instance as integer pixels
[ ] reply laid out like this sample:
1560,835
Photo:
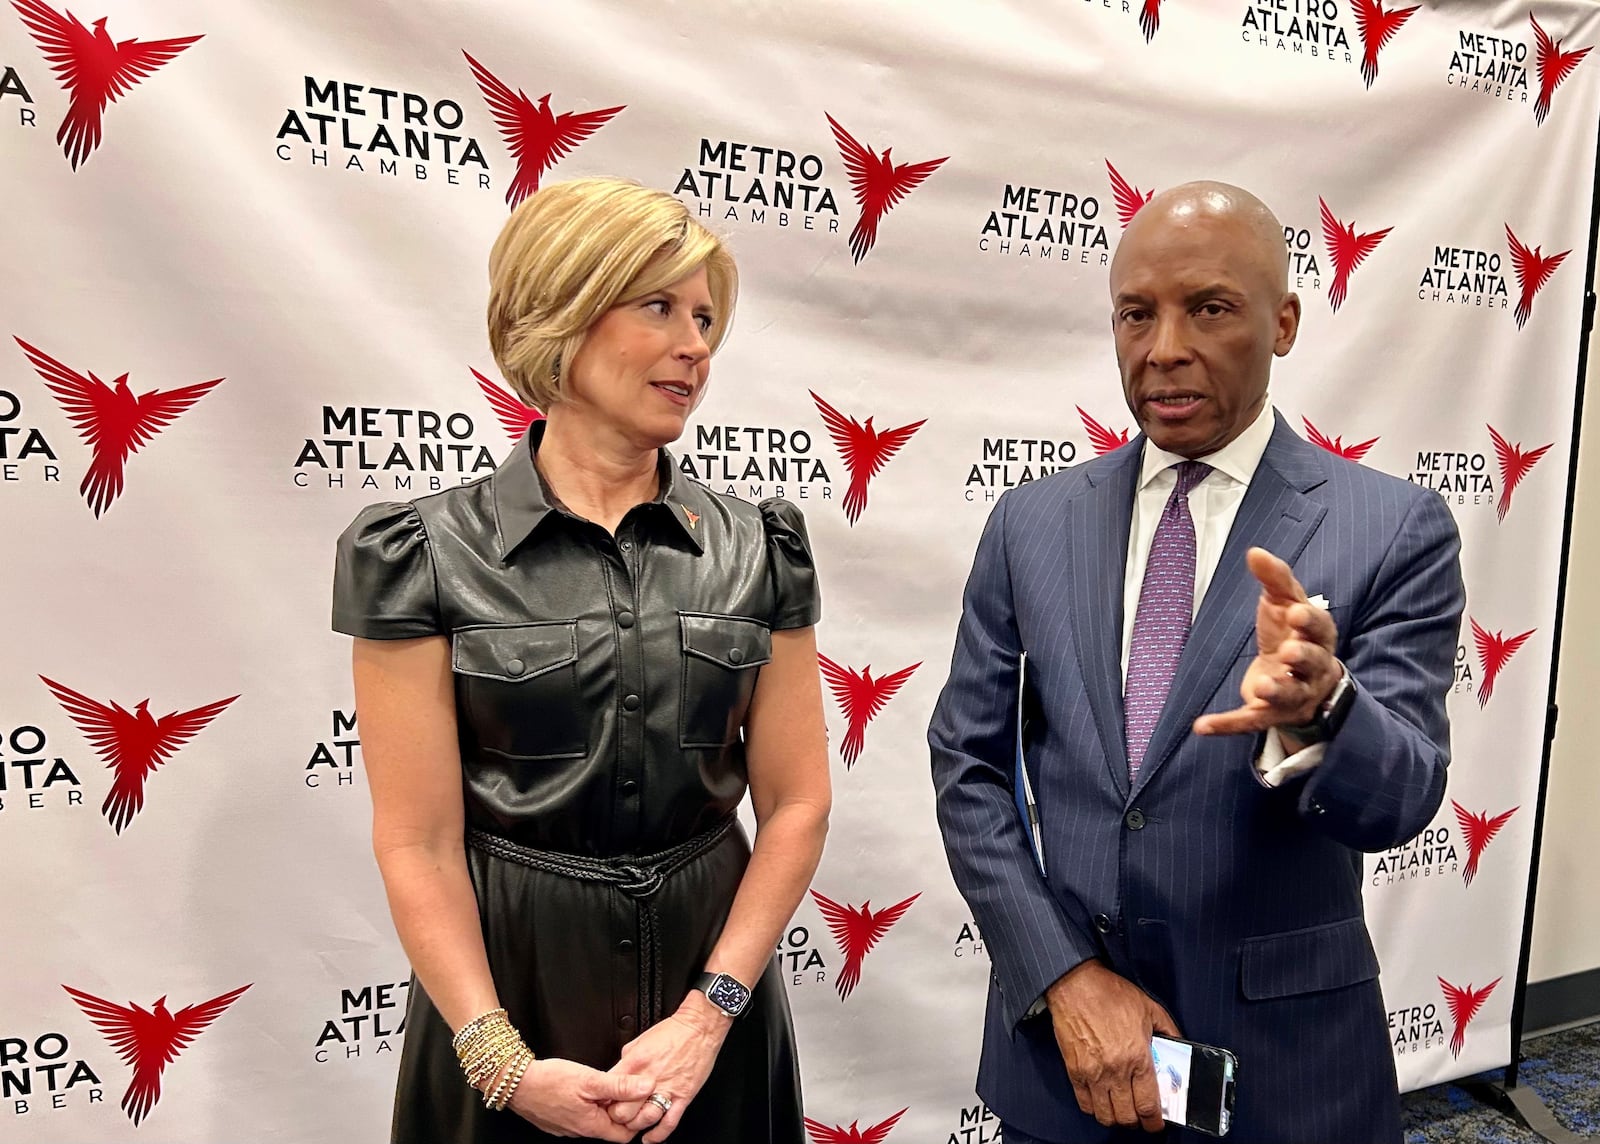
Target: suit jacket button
1135,819
1103,923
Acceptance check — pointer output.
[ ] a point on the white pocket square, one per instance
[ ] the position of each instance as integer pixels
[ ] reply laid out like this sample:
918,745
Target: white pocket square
1319,601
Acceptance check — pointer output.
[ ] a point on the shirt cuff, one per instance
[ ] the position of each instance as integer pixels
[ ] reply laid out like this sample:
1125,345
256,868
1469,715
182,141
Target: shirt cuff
1274,767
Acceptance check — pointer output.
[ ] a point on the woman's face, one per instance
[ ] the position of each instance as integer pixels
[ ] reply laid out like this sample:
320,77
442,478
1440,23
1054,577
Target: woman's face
643,365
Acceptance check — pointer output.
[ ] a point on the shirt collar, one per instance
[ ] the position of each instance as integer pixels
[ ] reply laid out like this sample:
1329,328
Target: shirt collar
1236,460
522,500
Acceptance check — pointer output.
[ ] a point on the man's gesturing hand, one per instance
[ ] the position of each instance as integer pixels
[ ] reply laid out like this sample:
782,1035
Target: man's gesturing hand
1294,670
1103,1024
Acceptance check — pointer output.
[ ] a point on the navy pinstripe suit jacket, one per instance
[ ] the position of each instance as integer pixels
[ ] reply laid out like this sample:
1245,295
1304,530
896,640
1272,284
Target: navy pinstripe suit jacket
1236,906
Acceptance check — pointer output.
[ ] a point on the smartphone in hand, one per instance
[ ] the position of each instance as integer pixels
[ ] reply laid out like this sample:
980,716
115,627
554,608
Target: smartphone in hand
1196,1084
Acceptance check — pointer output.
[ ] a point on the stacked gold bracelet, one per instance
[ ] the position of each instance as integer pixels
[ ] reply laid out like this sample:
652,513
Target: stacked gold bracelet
493,1056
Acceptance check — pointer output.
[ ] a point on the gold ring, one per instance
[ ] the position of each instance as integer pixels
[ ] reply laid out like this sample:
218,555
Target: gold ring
661,1102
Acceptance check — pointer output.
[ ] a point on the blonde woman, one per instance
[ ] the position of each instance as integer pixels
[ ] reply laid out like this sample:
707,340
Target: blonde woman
567,674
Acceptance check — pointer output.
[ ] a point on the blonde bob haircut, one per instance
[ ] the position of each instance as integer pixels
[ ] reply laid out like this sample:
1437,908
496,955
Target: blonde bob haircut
573,250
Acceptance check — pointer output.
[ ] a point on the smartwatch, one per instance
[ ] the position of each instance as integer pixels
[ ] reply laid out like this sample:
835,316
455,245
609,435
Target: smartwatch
1330,715
724,992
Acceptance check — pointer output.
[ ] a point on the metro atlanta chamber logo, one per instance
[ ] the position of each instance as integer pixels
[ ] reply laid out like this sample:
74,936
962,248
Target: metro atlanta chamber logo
1335,445
879,184
1472,274
1495,650
860,698
370,1021
113,421
1046,224
1423,1026
132,744
1464,1002
1463,477
148,1040
821,1133
535,136
1347,249
856,931
1310,30
1496,66
761,184
864,449
92,68
1441,849
383,130
332,761
404,449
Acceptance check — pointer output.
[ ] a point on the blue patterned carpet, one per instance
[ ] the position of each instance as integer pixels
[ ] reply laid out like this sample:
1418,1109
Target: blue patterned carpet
1563,1068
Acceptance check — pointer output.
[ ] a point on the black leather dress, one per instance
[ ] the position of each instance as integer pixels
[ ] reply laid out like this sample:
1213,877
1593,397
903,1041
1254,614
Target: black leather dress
601,687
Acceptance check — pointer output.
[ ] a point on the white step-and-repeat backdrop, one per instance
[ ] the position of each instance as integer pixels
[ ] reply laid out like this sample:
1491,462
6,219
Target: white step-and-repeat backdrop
243,251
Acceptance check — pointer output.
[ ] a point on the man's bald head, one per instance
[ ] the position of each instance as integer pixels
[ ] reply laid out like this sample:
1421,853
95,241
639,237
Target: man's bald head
1200,305
1259,233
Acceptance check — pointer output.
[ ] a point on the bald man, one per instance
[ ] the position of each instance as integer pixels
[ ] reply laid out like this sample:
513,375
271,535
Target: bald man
1237,648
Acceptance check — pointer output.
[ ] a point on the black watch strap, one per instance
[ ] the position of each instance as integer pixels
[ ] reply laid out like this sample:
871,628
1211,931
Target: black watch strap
726,993
1330,715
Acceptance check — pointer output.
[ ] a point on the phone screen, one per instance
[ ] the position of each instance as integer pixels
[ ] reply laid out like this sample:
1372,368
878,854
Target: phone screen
1195,1083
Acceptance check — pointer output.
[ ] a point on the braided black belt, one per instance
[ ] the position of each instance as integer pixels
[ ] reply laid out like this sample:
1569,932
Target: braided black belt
639,878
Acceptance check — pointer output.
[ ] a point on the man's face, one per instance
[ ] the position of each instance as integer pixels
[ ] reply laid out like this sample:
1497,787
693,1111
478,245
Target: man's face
1198,311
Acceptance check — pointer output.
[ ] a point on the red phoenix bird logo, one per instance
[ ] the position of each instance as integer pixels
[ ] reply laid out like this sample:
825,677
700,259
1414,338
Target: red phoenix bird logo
861,698
865,451
1129,197
1514,465
877,182
148,1040
513,414
1377,28
113,421
1554,66
534,135
856,929
132,743
1479,830
93,69
822,1134
1347,249
1533,271
1494,652
1150,19
1103,440
1464,1006
1336,445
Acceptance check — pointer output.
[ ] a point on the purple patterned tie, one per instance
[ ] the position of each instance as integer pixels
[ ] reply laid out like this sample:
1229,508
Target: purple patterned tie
1161,623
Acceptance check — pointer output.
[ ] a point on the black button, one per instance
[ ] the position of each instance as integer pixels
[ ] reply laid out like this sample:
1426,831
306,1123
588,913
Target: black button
1316,807
629,786
624,619
626,546
625,945
1103,923
626,1020
1135,819
630,703
515,666
735,655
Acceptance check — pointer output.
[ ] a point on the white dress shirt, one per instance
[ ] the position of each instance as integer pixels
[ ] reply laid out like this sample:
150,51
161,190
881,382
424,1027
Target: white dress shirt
1213,503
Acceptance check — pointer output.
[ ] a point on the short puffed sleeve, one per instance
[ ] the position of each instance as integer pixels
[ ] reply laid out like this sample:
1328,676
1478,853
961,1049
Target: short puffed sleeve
794,575
383,582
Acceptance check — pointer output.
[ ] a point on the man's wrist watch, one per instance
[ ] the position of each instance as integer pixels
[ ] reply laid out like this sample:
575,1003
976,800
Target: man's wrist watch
1330,715
724,992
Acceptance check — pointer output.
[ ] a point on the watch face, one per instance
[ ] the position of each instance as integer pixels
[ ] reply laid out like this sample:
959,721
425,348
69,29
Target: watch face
727,993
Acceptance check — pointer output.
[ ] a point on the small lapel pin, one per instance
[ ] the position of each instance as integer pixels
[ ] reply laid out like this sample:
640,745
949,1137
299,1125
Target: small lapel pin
692,517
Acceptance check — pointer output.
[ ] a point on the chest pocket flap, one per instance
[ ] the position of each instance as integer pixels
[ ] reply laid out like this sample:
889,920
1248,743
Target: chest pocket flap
727,641
517,654
718,653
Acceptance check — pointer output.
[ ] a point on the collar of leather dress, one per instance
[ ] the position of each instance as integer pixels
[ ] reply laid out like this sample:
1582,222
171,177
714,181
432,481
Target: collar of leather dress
522,500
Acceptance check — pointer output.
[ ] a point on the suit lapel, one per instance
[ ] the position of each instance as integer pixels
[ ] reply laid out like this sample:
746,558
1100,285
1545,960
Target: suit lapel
1098,524
1276,515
